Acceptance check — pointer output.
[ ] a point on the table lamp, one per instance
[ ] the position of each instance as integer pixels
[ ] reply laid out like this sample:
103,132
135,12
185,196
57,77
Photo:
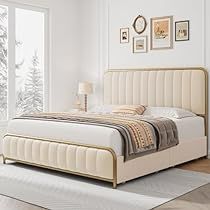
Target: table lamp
85,88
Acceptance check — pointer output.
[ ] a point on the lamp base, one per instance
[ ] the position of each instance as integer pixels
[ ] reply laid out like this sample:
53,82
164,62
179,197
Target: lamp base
85,102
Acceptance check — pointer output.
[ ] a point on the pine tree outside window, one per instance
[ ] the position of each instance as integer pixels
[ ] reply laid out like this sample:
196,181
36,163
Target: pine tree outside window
3,62
23,60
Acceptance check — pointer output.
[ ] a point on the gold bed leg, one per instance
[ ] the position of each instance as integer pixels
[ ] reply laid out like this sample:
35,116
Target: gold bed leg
114,185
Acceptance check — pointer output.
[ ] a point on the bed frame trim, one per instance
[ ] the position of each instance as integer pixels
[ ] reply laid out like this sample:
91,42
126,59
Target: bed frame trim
113,181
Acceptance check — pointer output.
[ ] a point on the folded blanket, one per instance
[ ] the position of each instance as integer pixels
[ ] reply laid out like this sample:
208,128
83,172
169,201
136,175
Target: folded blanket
141,135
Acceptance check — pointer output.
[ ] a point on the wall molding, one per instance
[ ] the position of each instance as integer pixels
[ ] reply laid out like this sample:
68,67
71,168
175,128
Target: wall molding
204,25
103,33
206,9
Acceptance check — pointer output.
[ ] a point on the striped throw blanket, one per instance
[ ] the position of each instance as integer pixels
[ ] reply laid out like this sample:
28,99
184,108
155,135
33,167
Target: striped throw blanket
142,135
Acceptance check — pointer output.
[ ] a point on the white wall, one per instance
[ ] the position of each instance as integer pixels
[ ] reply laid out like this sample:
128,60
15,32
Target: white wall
64,53
207,35
207,46
89,44
121,56
114,14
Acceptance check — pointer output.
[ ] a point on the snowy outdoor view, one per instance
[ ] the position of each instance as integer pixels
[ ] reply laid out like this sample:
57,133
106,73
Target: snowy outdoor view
3,63
29,72
29,61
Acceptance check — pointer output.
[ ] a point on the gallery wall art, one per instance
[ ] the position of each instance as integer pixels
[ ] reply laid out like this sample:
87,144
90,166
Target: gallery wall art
161,33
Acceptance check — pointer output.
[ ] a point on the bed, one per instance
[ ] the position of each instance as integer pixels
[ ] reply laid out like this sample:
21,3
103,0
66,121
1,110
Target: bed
65,148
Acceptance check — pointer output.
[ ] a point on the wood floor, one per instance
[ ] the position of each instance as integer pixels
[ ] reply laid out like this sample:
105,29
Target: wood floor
198,199
201,165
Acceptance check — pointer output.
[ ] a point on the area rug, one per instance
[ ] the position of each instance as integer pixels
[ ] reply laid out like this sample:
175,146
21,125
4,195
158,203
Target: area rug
7,203
54,190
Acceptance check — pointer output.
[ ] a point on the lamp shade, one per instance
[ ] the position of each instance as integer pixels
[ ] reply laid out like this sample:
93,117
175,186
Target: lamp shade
85,88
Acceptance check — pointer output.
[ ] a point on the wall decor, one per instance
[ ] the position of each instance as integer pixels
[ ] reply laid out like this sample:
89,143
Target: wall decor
140,44
139,24
124,35
182,30
161,33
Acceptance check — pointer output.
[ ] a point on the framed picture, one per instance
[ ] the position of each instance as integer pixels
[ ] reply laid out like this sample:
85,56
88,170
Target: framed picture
182,30
140,44
140,24
161,33
124,35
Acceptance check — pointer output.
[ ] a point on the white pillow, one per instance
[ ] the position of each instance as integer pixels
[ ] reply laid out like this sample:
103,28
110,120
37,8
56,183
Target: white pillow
168,112
103,109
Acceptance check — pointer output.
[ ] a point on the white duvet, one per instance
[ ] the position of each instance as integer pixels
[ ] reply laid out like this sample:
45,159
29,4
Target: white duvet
188,128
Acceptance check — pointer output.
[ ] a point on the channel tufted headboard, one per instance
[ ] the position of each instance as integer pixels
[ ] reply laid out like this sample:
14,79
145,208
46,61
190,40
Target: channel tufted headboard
175,87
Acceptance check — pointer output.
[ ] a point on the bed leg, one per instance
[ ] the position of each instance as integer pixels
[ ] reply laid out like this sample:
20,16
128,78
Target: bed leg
4,160
114,185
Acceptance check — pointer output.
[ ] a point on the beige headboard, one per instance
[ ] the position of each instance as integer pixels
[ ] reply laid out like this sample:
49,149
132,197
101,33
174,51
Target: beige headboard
182,87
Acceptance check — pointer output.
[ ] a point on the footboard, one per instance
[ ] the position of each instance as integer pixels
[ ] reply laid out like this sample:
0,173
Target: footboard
84,160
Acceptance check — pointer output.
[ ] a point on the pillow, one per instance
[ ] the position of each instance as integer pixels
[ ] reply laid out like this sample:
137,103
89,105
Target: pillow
129,109
103,109
168,112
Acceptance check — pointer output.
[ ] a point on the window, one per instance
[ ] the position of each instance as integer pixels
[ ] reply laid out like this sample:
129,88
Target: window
3,62
23,60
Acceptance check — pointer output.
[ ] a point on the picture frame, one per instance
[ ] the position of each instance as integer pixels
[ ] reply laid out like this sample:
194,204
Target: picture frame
182,30
139,24
161,35
124,35
140,44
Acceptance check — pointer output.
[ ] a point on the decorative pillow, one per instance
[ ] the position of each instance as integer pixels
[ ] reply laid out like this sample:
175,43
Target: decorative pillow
168,112
129,109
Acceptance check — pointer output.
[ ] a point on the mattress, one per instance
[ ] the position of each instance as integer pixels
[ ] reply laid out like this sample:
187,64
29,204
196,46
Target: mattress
188,129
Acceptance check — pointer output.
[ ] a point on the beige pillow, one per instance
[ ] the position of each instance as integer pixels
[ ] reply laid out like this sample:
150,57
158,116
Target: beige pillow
129,109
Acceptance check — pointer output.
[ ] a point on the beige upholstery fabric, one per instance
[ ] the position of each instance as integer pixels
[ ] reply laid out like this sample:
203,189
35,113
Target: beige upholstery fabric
187,150
79,159
169,88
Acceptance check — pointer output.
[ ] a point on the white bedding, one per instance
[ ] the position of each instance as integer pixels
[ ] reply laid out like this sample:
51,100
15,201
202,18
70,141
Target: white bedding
188,128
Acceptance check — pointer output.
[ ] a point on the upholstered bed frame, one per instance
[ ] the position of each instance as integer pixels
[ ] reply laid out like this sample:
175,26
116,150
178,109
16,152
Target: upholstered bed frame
178,87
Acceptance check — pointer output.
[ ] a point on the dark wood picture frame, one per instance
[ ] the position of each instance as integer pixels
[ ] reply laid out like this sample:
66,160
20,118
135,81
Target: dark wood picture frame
135,21
188,31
